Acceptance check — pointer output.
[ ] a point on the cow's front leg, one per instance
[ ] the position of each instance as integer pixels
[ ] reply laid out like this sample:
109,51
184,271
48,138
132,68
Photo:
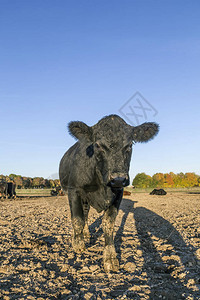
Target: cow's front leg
78,223
110,260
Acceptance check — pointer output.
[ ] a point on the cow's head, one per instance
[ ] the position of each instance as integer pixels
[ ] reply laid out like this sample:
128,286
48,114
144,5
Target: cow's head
110,142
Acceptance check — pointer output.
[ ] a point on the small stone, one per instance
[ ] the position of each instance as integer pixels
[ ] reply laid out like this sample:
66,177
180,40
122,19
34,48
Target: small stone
64,268
50,283
191,282
85,270
130,267
135,288
66,292
139,252
3,270
94,268
182,275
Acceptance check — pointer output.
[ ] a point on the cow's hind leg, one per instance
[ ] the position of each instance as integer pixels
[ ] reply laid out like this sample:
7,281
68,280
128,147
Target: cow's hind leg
78,222
86,232
77,238
110,260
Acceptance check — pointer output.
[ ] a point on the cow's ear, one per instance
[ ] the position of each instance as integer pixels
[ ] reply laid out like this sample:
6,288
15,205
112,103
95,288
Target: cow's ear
145,132
80,130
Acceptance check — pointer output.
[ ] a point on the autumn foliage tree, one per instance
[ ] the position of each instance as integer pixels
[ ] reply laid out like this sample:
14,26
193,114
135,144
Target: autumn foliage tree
160,180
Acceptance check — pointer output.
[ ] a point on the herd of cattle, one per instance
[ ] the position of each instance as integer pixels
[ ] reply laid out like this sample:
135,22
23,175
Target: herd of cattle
7,189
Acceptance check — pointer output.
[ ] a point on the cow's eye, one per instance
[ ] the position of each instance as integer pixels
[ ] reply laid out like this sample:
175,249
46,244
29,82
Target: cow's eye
90,150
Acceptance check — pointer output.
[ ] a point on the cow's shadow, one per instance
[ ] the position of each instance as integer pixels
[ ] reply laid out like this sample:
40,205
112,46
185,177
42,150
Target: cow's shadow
193,193
150,227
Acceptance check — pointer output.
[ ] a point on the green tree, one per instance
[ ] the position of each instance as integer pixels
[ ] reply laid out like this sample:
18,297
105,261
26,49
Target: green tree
37,182
18,181
27,182
12,177
142,180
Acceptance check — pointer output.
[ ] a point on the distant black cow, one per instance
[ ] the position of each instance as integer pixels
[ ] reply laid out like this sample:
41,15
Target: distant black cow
3,189
158,192
57,191
54,193
94,172
11,189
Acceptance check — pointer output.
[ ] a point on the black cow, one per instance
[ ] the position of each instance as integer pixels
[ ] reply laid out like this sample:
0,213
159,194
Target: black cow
3,189
94,172
54,193
158,192
11,189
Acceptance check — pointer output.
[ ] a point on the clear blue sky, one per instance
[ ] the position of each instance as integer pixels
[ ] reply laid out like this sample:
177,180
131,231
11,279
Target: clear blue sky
82,60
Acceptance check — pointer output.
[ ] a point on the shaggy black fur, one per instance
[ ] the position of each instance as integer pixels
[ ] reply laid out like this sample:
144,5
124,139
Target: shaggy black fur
95,170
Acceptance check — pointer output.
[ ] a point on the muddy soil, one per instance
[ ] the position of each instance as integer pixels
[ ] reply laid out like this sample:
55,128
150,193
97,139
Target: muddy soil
157,239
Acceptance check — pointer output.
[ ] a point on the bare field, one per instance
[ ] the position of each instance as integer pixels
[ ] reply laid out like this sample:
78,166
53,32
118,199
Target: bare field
33,192
157,239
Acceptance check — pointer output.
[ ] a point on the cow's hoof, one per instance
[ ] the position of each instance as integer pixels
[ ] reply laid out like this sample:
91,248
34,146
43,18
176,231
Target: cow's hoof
110,260
78,245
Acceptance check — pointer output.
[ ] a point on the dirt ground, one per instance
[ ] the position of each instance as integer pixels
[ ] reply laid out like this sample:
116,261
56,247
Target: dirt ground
157,239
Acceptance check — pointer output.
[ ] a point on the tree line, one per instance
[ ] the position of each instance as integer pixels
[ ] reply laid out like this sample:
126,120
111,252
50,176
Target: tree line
28,182
141,180
160,180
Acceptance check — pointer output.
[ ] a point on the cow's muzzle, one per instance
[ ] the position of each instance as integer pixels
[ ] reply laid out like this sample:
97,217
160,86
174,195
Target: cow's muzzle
118,180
